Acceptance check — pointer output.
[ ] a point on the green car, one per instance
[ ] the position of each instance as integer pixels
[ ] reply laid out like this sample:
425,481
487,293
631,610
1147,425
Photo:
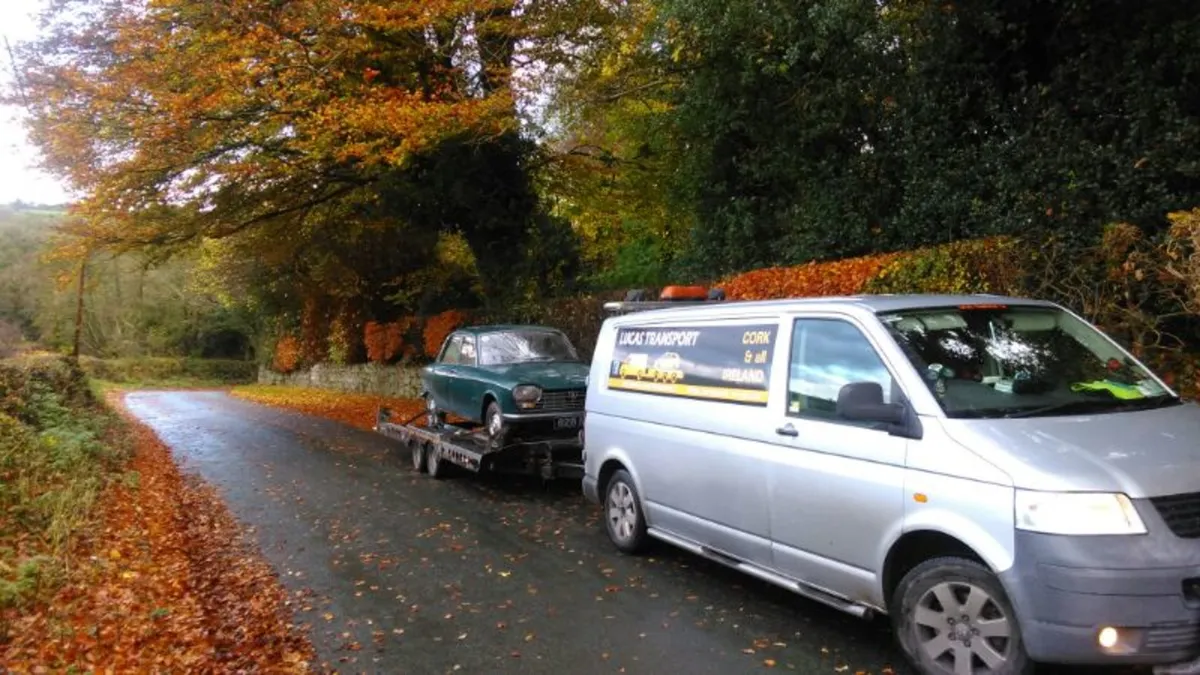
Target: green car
518,382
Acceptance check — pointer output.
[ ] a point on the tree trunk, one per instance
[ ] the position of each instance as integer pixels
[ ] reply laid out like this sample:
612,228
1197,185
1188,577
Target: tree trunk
79,307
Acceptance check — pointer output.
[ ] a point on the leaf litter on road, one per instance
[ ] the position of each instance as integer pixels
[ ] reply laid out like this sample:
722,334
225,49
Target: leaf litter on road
357,410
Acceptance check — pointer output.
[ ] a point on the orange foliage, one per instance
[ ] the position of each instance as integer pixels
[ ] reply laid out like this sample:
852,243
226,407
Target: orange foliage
439,326
287,354
162,586
386,341
838,277
357,410
398,335
315,322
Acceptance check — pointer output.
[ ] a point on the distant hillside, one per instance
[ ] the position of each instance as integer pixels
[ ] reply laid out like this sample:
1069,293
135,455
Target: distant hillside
26,207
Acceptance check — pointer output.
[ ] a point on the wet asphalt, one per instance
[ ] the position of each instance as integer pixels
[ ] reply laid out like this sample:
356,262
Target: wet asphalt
395,572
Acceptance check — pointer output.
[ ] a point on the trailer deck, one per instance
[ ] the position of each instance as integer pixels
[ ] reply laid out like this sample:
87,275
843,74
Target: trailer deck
434,450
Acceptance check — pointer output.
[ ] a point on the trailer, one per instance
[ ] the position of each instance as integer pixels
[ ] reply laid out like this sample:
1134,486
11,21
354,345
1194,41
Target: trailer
434,451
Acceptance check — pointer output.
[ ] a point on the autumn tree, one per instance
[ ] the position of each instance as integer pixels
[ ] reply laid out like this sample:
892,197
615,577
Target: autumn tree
314,135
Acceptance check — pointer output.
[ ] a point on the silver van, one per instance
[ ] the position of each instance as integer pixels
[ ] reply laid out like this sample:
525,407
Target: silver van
1002,479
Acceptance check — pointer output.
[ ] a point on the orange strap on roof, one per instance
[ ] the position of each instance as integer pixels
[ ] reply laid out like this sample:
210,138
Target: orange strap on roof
684,293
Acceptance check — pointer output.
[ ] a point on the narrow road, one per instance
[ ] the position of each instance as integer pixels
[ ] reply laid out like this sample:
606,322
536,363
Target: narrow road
396,572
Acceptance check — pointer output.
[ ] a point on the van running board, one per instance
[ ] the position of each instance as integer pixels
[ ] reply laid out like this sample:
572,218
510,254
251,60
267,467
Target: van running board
810,592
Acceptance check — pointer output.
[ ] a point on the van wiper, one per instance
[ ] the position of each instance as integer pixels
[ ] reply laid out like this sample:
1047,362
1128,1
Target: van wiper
1150,402
1094,405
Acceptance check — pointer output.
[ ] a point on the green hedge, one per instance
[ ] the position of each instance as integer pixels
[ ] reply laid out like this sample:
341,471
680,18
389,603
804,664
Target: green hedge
165,369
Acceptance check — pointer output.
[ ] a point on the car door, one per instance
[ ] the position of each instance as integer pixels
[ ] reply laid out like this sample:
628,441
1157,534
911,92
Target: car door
466,388
839,490
443,372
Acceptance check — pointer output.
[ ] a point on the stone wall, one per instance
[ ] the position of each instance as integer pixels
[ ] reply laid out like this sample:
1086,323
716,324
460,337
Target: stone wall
370,378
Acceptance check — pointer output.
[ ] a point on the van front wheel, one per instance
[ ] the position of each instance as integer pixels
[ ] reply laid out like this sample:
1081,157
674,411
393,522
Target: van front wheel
952,616
623,517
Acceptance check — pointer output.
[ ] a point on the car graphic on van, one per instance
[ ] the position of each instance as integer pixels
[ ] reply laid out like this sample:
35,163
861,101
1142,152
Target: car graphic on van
668,368
634,367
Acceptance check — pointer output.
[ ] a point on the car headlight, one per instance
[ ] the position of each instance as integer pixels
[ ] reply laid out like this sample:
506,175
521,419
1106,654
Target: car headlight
527,395
1077,513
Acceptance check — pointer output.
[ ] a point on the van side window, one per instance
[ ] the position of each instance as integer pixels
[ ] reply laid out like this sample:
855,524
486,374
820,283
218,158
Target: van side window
828,354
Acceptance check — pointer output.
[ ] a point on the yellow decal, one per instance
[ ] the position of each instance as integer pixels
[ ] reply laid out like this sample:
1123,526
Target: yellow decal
690,390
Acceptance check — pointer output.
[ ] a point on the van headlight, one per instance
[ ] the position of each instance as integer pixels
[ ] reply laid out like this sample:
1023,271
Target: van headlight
1077,513
527,396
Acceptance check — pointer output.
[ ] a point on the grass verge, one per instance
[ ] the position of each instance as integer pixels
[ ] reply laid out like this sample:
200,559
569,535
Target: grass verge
58,450
356,410
115,561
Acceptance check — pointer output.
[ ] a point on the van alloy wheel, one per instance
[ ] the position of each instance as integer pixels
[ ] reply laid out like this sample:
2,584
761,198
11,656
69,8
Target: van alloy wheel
622,514
953,618
623,517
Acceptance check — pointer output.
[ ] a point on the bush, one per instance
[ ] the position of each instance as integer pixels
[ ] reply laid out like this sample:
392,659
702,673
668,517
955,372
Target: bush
170,369
10,339
287,354
838,277
386,342
975,266
439,326
54,460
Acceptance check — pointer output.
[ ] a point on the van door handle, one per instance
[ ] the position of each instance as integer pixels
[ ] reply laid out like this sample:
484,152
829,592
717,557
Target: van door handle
787,430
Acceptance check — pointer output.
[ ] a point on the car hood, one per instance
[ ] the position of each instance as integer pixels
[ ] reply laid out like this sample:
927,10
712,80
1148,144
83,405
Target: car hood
1147,453
551,375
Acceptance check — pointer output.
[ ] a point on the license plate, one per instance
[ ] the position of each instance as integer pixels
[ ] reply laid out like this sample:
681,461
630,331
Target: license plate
566,423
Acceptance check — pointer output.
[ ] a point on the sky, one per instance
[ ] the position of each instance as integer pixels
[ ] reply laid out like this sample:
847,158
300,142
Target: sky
19,177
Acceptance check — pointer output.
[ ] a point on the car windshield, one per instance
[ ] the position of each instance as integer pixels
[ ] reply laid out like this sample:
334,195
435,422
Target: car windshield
1020,361
524,346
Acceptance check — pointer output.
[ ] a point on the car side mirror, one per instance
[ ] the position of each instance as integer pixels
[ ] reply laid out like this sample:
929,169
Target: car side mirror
863,402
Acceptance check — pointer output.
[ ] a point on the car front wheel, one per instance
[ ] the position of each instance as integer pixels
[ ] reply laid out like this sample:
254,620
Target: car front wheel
433,416
952,617
497,433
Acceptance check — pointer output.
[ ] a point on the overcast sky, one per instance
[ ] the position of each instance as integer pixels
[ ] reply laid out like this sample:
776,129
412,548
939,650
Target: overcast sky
19,179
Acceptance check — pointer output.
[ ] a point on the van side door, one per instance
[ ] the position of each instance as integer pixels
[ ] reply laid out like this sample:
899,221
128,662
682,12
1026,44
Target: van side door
695,434
839,491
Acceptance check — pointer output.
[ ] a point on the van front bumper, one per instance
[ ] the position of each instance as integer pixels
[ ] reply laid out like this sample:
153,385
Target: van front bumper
1065,590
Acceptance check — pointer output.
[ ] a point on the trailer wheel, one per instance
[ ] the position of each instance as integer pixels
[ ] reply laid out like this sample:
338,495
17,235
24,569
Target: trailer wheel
418,455
433,461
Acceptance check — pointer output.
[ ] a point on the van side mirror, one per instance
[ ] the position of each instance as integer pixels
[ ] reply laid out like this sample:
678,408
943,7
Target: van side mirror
863,402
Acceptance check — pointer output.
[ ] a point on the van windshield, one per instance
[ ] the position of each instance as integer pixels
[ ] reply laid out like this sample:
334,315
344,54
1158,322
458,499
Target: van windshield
987,361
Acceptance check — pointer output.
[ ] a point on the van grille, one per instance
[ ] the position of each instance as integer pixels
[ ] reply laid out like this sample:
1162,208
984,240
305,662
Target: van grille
564,400
1181,513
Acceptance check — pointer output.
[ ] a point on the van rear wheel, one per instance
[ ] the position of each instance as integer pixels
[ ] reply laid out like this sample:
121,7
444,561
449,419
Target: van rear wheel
623,516
952,617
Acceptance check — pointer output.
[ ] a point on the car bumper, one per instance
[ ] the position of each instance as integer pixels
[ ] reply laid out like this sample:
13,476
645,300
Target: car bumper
536,416
552,425
1065,590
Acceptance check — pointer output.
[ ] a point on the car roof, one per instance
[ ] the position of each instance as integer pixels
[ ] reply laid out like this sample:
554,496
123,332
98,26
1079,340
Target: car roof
503,328
872,303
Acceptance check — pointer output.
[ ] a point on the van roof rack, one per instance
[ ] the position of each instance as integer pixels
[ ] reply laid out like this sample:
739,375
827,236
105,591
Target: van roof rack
636,300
